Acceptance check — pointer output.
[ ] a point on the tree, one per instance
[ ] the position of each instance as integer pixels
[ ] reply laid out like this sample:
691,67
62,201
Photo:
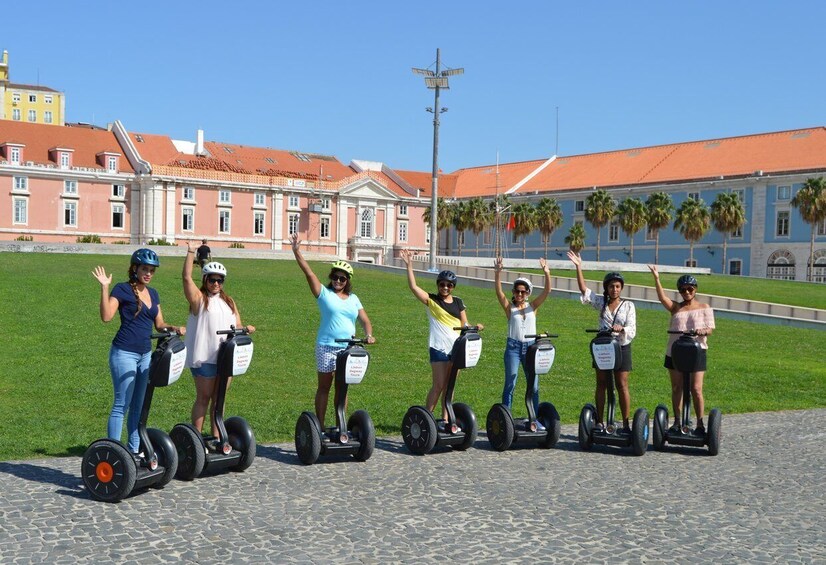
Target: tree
659,207
693,220
524,222
444,217
548,218
810,202
498,208
632,216
600,209
576,238
460,222
480,217
728,215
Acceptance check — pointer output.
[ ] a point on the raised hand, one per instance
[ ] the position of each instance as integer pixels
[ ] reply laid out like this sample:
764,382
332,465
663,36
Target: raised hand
653,269
498,264
100,274
575,258
294,241
544,265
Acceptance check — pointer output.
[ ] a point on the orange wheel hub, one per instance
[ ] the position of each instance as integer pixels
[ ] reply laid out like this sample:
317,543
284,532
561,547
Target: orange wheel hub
104,472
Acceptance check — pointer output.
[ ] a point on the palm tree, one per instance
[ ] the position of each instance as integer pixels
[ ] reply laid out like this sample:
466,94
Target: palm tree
693,220
444,215
632,216
728,216
460,222
524,222
659,207
480,217
576,238
498,208
548,217
600,208
810,201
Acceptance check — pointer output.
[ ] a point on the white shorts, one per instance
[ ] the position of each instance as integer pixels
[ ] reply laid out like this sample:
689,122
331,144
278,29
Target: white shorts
325,357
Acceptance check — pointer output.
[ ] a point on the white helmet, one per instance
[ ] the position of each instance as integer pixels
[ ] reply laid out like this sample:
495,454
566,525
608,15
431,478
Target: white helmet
214,268
524,282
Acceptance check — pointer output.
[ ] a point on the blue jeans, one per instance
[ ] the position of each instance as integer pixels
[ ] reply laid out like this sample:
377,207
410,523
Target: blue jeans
515,354
130,374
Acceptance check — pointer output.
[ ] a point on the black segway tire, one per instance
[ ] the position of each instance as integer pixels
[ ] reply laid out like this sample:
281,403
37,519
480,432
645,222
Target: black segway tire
465,419
587,418
660,427
550,419
639,432
108,470
167,455
361,425
715,425
499,427
308,438
419,430
241,438
191,454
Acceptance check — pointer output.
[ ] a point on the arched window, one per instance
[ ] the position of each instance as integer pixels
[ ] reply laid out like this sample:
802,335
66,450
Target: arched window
366,228
819,269
780,265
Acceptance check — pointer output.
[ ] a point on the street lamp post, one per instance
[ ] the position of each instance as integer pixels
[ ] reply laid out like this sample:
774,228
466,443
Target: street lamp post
436,80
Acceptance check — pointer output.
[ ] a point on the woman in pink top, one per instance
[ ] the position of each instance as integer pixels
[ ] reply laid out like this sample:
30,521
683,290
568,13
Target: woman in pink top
686,316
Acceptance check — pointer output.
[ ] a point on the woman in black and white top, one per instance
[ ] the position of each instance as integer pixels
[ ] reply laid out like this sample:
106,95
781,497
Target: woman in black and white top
620,316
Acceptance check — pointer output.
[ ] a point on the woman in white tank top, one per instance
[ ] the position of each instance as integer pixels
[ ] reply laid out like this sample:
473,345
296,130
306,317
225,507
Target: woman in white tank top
521,316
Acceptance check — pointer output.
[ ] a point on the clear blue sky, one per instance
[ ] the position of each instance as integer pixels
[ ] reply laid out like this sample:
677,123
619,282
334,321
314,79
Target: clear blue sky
334,77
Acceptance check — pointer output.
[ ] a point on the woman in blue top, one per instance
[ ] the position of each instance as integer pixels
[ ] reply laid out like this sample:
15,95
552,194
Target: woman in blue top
140,308
339,310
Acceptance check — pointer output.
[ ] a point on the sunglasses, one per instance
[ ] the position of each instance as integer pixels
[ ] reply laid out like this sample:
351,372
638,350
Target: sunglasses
520,292
338,278
446,285
686,289
215,280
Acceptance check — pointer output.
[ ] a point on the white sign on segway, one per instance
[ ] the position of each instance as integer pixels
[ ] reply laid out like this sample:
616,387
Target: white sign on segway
355,369
241,358
473,350
176,365
544,360
604,355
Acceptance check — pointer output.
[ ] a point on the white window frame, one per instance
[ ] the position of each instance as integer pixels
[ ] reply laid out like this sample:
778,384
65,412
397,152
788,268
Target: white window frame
70,213
325,203
739,262
259,199
650,234
224,221
777,223
579,205
426,232
259,223
118,208
15,97
32,115
741,194
293,202
47,117
402,232
118,191
821,228
613,231
696,197
70,188
190,212
224,196
784,192
112,164
738,233
15,155
403,210
20,211
16,115
324,227
33,98
367,223
293,223
188,193
20,184
47,98
65,159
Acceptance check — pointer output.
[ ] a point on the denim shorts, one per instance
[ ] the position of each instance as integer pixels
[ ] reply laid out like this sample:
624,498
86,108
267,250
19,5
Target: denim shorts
206,370
437,356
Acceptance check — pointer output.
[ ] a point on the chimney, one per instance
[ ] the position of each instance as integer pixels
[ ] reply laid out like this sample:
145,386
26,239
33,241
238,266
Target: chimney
199,143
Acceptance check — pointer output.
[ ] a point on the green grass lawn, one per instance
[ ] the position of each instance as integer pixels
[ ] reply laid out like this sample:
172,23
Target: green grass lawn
56,389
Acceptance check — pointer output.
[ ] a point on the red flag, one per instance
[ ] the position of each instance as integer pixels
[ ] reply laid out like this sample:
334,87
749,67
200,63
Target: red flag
511,224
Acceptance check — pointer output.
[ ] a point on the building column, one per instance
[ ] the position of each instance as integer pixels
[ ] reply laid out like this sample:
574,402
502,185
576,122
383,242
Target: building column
171,212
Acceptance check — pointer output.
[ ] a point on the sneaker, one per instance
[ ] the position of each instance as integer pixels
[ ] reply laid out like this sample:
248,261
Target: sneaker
138,457
700,431
539,426
674,429
599,427
626,431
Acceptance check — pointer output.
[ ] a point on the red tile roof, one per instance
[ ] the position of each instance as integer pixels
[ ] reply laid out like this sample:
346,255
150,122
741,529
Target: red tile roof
86,143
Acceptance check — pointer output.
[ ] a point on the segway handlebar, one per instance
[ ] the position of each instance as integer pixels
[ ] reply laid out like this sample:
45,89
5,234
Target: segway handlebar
353,341
606,330
233,331
690,333
540,335
167,333
468,329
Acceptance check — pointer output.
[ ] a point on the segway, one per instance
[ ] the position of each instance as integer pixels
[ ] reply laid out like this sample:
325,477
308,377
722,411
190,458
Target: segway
355,436
109,470
234,449
502,429
684,355
420,431
607,355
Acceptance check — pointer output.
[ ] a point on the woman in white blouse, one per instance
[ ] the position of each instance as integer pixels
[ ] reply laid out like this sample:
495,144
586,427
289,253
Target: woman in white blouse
621,317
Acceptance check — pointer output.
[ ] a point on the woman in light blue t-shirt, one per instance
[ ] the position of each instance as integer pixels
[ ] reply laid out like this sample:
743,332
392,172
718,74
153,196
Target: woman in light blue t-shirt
339,309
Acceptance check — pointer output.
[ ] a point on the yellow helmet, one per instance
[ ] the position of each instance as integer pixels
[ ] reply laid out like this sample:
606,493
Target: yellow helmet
343,266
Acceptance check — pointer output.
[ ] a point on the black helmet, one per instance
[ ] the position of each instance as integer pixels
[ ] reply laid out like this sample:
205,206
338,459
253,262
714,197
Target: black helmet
448,276
145,257
686,280
613,276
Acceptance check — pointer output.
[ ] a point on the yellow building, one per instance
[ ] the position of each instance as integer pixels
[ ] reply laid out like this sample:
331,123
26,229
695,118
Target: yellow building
29,103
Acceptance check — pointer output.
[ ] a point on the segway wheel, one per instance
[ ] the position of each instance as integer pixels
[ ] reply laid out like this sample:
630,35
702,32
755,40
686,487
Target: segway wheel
465,419
639,432
660,427
499,426
167,455
108,471
715,424
586,427
550,419
364,431
419,430
241,438
191,454
308,438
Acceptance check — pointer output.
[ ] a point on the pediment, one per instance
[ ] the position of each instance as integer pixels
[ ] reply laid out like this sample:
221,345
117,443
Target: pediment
368,189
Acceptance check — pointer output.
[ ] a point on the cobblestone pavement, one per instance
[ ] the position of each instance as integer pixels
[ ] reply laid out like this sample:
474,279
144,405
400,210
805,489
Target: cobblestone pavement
762,500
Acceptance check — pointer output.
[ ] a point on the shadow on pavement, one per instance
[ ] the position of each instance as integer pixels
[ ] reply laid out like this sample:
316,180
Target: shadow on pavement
40,474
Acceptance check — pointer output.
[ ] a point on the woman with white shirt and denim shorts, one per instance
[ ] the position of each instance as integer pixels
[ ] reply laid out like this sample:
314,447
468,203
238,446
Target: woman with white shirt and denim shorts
621,317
